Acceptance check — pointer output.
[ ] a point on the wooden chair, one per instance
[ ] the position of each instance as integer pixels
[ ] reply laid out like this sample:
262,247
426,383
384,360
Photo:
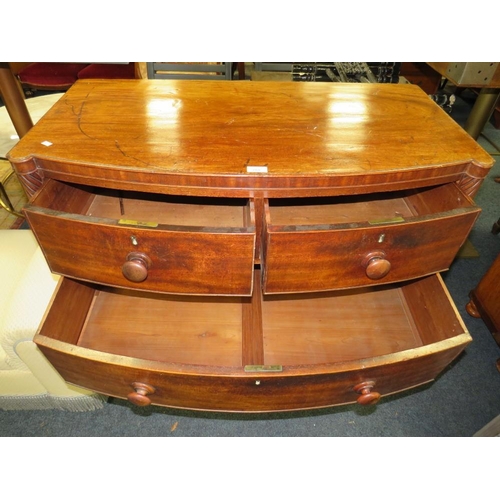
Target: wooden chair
190,70
60,76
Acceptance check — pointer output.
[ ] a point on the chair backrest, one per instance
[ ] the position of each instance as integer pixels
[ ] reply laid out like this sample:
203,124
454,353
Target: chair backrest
274,66
190,70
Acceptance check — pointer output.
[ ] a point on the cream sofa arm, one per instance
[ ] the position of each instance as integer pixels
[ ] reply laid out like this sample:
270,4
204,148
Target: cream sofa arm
30,292
28,381
46,374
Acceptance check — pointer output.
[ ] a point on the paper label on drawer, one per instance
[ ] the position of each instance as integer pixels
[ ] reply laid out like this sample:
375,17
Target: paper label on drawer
129,222
256,169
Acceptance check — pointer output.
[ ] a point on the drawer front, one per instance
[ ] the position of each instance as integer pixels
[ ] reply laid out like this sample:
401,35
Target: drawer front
145,382
102,341
161,259
317,258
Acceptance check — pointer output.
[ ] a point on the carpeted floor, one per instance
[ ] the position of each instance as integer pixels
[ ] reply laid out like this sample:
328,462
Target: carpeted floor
459,403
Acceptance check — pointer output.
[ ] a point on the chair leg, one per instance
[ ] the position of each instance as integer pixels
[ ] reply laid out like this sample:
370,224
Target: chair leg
4,197
9,208
6,203
496,227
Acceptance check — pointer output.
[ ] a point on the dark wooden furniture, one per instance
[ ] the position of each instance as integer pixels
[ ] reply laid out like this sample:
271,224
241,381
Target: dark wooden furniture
250,246
485,301
421,74
496,227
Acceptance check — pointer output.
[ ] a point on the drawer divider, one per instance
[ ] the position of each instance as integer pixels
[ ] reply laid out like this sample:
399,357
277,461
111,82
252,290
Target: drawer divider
252,334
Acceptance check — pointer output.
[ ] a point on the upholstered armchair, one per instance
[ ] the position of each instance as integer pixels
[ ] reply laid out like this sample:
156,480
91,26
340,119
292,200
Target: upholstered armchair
27,379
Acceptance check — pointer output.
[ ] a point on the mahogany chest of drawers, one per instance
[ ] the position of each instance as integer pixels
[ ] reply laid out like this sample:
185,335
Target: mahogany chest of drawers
249,246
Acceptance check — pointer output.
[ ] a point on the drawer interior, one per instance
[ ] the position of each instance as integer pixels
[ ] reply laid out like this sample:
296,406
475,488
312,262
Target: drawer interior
147,208
345,326
372,209
191,330
296,329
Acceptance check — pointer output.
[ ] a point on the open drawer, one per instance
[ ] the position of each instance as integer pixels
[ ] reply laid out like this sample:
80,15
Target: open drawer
351,241
261,353
144,241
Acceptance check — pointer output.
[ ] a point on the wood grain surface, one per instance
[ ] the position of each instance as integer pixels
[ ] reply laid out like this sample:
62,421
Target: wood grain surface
185,134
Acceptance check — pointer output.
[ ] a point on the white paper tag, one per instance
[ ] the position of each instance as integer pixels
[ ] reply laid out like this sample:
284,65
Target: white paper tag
47,143
255,169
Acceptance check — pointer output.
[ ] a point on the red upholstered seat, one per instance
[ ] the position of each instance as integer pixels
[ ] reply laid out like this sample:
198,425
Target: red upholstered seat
50,76
108,71
60,76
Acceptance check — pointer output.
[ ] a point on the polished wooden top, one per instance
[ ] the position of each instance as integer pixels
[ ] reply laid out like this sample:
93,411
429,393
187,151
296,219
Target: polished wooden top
245,129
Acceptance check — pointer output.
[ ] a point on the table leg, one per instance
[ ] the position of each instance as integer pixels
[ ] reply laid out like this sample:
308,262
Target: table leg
481,111
14,100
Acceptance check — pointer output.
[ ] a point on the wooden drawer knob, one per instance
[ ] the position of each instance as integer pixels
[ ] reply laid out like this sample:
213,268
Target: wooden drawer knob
367,397
139,396
136,267
376,265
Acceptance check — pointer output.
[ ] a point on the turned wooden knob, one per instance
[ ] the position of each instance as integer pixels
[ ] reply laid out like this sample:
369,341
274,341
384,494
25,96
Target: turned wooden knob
139,396
376,265
136,267
367,397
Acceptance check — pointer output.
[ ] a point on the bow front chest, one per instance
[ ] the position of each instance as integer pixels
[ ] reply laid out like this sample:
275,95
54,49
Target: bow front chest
249,246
